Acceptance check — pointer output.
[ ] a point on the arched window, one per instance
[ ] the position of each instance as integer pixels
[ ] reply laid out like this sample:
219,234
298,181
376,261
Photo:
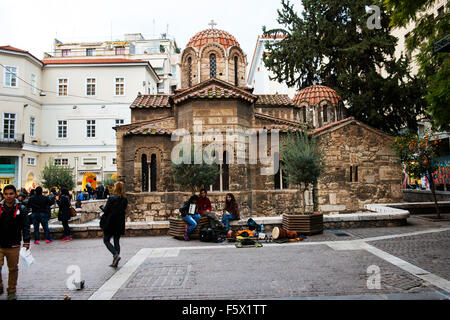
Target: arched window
189,71
280,179
325,113
236,71
153,173
223,178
225,172
212,66
144,173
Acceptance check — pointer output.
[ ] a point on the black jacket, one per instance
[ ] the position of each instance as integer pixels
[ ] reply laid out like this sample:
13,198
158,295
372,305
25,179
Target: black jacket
39,204
14,225
64,205
184,210
114,212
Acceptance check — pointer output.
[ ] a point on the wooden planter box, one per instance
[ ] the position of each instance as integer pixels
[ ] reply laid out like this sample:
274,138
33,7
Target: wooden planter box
177,228
303,224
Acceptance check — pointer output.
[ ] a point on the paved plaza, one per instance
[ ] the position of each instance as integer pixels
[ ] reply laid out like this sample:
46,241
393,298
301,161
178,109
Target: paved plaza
412,263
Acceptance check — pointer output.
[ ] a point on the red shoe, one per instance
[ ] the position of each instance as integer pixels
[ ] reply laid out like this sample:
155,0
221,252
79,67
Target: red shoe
49,241
36,242
64,239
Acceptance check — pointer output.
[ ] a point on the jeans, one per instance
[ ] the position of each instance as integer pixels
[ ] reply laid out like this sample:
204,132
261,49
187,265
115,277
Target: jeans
226,218
192,220
65,224
40,218
12,259
107,241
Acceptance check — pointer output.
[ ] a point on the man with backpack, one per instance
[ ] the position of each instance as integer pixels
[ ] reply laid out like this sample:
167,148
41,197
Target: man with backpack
40,206
14,227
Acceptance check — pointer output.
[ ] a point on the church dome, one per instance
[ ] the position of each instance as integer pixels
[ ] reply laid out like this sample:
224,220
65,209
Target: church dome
315,94
213,35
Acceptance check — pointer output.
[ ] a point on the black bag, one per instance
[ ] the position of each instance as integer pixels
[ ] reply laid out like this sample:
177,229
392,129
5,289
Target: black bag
206,234
212,235
103,221
252,225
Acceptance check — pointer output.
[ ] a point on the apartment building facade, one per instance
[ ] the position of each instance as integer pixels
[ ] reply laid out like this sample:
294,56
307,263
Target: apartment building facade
62,111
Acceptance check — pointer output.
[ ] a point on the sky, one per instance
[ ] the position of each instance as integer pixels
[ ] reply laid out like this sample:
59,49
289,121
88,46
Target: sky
33,25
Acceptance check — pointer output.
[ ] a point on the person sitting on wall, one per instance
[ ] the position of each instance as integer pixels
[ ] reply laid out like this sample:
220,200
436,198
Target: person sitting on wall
230,211
78,203
190,215
205,210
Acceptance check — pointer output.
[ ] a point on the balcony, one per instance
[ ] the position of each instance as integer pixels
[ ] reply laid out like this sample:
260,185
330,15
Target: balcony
15,140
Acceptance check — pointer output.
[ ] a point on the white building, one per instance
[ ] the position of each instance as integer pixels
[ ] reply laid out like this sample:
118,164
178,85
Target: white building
162,53
63,111
259,76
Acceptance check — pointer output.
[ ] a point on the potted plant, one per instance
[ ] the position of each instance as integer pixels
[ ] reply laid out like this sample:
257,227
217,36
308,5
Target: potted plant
193,177
303,163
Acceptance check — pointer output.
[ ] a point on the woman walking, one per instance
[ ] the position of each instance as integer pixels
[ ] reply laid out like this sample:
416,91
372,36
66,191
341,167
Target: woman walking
64,213
230,211
113,224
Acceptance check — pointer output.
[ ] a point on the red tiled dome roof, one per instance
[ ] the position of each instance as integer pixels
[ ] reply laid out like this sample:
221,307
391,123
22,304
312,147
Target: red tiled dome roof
315,94
212,35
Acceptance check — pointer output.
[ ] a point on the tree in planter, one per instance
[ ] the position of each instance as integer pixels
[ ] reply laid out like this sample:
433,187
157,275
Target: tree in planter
57,176
303,161
194,176
417,155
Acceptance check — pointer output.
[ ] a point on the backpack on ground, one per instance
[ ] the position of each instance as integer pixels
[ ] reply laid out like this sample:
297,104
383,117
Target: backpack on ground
252,225
210,235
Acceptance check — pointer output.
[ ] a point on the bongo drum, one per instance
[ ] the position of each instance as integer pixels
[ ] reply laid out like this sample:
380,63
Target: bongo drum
280,233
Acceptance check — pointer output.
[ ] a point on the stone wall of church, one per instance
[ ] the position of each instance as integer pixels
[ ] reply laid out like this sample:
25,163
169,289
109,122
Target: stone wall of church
131,168
368,156
160,206
150,114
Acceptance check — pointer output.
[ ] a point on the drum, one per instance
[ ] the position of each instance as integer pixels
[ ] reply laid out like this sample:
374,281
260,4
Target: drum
280,233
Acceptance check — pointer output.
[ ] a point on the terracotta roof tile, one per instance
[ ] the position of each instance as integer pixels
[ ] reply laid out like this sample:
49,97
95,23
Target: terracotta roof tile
315,94
279,120
213,35
214,89
10,48
147,101
274,99
84,61
163,126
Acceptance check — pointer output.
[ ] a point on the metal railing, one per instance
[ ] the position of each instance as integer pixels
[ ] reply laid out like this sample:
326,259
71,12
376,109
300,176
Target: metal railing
7,137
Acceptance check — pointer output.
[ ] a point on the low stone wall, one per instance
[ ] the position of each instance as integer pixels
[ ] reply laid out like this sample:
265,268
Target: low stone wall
383,216
424,196
161,206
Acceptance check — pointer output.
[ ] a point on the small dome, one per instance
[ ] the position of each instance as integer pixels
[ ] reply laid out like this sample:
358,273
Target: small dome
315,94
213,35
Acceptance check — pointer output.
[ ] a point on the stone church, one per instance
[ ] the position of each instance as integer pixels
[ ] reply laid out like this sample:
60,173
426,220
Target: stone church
361,166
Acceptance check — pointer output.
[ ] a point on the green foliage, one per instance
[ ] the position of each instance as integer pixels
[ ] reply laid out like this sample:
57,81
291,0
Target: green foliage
303,160
57,176
434,68
417,154
195,176
330,44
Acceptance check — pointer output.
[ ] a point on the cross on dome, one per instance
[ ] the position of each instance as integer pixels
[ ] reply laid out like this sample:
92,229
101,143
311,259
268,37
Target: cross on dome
212,24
